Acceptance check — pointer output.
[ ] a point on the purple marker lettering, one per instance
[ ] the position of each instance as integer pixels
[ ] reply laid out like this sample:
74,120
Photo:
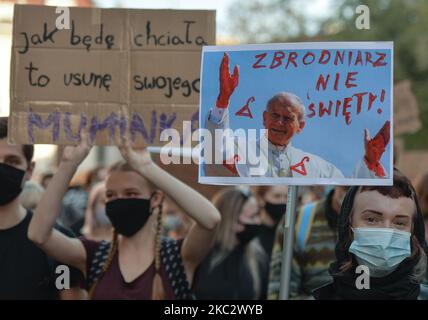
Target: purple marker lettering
67,127
153,127
137,125
165,123
35,120
110,122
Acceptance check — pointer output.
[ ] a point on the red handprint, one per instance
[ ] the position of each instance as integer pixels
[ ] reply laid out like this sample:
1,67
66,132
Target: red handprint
375,148
228,83
231,166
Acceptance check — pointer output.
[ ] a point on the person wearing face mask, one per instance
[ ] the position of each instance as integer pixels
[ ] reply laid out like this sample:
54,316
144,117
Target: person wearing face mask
237,266
26,272
97,225
273,203
314,244
138,263
31,194
380,228
176,224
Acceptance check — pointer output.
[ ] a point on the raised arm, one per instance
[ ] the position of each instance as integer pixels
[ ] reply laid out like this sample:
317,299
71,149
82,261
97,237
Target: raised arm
41,230
370,166
218,118
199,240
227,84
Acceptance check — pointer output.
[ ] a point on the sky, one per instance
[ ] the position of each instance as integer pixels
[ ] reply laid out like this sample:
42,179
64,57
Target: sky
316,9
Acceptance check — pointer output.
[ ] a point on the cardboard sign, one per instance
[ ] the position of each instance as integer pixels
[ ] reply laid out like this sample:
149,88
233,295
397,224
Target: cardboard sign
298,113
112,71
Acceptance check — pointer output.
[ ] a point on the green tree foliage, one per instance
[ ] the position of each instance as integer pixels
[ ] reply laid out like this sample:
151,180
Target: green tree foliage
403,21
259,21
406,23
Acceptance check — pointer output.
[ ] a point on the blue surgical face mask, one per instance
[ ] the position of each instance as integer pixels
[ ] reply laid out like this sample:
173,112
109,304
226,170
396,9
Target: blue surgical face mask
380,249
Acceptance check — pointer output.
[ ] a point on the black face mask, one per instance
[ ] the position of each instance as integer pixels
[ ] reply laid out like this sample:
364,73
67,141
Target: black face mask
10,183
249,233
128,215
276,211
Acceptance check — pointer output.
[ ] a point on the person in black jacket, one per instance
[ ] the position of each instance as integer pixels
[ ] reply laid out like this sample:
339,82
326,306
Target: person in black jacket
26,272
381,252
237,266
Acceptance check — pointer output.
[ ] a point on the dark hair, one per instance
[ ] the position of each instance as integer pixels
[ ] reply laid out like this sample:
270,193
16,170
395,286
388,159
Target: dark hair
402,187
27,149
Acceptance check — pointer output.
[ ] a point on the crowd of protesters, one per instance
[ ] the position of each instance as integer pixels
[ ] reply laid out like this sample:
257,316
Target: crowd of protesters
121,239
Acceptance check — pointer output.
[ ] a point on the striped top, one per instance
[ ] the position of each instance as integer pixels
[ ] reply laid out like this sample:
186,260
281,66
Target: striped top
314,247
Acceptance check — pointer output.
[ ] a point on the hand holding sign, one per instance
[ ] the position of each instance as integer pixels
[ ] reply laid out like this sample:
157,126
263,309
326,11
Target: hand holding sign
374,149
136,158
74,155
228,83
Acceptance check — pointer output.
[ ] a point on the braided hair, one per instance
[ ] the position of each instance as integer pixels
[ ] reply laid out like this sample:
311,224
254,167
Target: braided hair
112,252
158,291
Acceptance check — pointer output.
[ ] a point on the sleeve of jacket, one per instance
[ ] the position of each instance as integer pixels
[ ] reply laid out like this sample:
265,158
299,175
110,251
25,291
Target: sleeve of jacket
217,120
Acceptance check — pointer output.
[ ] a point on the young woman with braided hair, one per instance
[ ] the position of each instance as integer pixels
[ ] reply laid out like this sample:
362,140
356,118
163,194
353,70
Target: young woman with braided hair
137,263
